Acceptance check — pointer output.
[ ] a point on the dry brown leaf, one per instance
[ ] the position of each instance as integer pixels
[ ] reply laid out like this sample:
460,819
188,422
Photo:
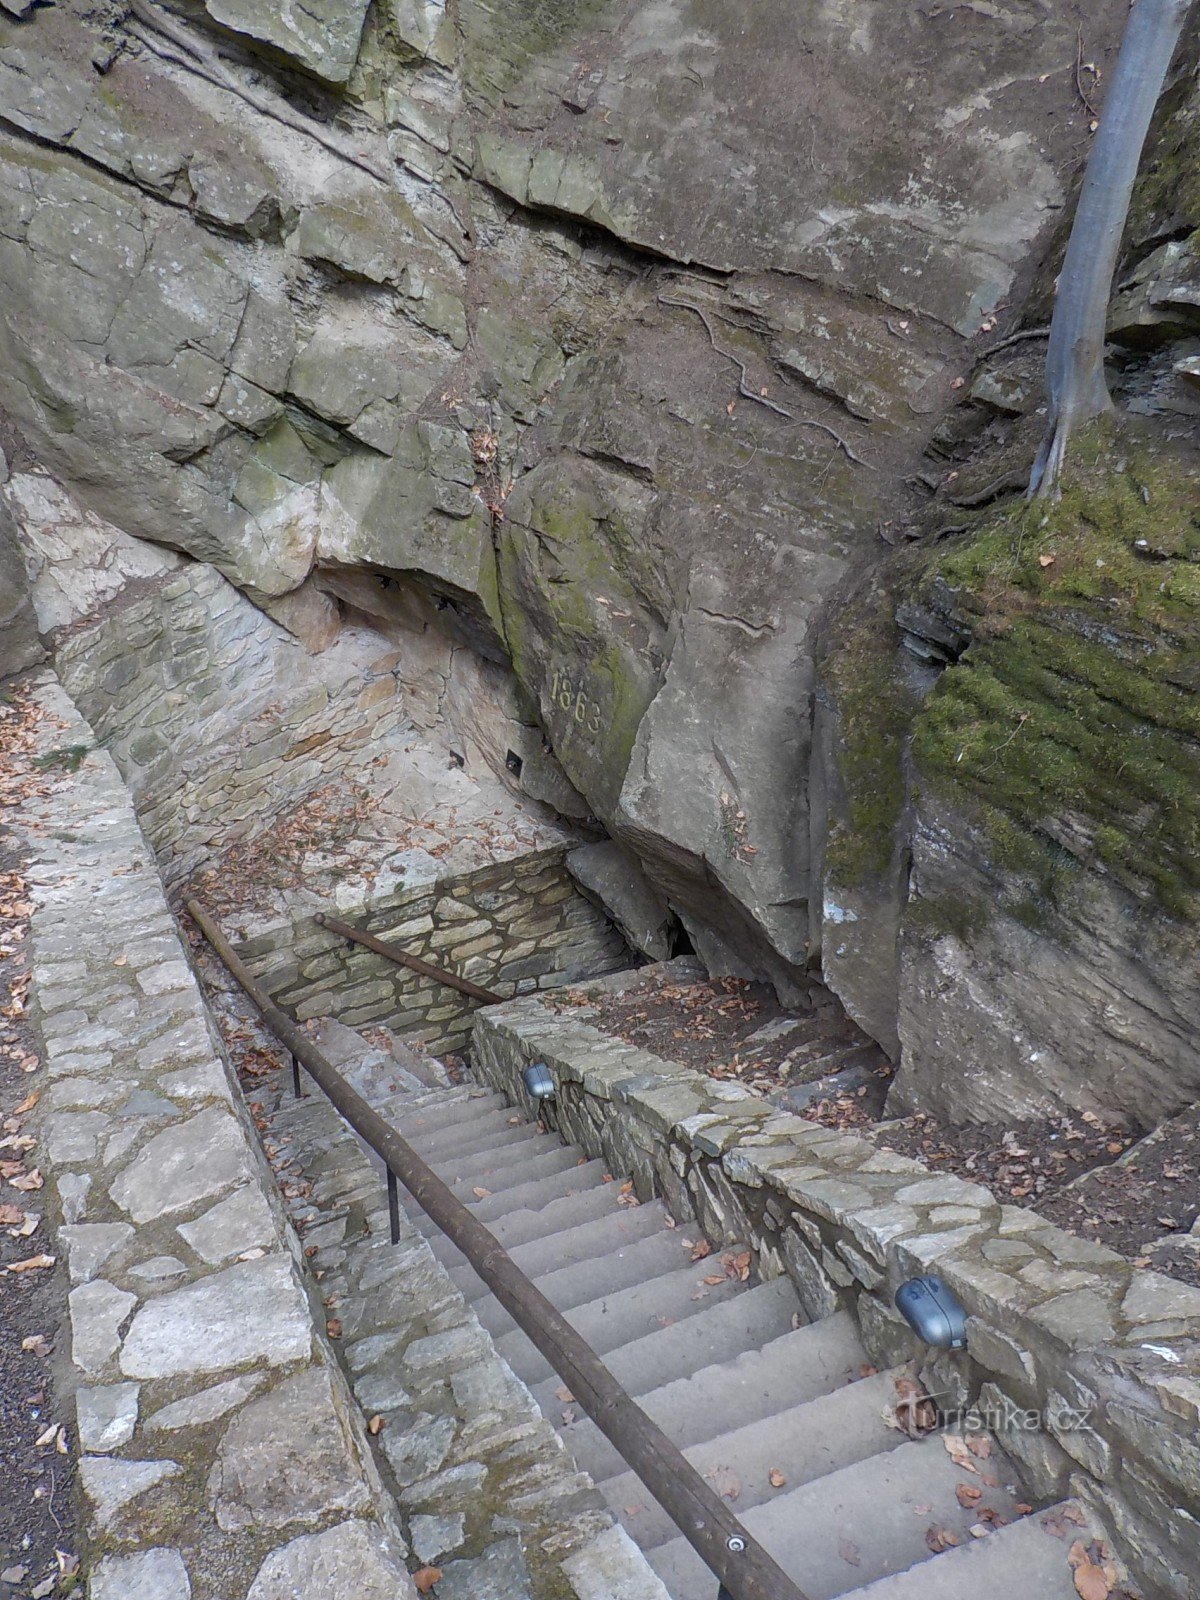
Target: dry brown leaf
28,1103
978,1444
956,1447
34,1344
11,1216
939,1539
481,1194
334,1327
699,1251
31,1180
967,1495
776,1478
725,1481
1091,1581
376,1425
425,1578
564,1394
1045,561
31,1264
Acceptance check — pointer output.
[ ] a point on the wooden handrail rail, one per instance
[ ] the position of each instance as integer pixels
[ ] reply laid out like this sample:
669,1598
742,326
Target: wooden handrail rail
402,958
741,1564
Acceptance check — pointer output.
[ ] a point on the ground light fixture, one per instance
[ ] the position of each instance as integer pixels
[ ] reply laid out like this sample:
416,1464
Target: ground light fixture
539,1084
934,1312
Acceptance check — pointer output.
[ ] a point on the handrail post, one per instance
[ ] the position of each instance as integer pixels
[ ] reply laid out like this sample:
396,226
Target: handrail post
393,1206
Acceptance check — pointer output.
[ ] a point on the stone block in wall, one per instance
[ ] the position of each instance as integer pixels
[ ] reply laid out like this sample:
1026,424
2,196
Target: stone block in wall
1045,1465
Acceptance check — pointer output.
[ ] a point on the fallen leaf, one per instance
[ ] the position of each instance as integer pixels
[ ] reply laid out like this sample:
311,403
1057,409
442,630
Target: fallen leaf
939,1539
49,1436
28,1103
564,1394
121,961
35,1344
334,1327
714,1278
376,1425
1091,1581
252,1255
31,1180
956,1446
1045,561
776,1478
967,1495
849,1553
481,1194
978,1444
30,1264
426,1577
10,1216
699,1251
725,1481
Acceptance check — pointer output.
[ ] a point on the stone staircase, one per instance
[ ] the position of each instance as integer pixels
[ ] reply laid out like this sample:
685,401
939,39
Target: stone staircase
786,1418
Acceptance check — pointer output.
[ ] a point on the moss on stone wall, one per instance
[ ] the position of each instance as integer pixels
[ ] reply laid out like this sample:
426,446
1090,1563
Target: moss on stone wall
1074,714
875,708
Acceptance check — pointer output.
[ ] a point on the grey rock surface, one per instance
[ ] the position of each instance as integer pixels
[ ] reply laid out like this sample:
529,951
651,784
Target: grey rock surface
281,1461
351,1561
260,1304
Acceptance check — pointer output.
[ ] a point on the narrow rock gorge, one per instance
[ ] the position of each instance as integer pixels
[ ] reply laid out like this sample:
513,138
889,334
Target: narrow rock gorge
550,475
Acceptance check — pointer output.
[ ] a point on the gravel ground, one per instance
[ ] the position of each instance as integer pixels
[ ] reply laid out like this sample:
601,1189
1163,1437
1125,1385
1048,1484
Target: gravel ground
37,1510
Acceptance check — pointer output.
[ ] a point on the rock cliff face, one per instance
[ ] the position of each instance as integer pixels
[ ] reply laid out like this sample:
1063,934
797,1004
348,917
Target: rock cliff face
601,340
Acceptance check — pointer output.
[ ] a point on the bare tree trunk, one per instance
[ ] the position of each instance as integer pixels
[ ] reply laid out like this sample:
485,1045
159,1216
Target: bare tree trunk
1075,361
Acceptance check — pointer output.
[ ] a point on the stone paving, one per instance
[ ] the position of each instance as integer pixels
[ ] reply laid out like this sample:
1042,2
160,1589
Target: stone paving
1103,1357
220,1455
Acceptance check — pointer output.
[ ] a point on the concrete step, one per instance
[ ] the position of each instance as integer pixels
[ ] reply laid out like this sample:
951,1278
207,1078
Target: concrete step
726,1328
472,1124
614,1231
638,1263
1024,1561
854,1526
546,1167
797,1366
531,1195
420,1116
798,1443
506,1165
493,1131
626,1317
569,1211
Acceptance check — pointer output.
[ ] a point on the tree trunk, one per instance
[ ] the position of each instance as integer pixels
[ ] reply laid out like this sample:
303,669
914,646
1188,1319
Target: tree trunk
1075,361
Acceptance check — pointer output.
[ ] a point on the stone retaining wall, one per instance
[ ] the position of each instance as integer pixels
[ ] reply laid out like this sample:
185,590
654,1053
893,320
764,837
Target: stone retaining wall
221,1457
513,927
1087,1367
217,717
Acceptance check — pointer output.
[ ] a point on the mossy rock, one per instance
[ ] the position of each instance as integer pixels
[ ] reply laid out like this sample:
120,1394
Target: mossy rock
586,644
1071,724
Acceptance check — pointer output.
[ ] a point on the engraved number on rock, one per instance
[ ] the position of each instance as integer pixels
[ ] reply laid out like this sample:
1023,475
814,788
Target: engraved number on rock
571,697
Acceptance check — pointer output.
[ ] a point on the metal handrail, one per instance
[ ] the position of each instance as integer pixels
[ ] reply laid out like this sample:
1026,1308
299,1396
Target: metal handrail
402,958
741,1564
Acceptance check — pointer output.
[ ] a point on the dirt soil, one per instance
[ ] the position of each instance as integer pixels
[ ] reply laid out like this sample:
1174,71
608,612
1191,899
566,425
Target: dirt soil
1145,1205
37,1443
733,1030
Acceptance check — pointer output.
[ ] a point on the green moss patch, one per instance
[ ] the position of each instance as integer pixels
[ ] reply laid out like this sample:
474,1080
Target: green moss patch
875,711
1072,723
